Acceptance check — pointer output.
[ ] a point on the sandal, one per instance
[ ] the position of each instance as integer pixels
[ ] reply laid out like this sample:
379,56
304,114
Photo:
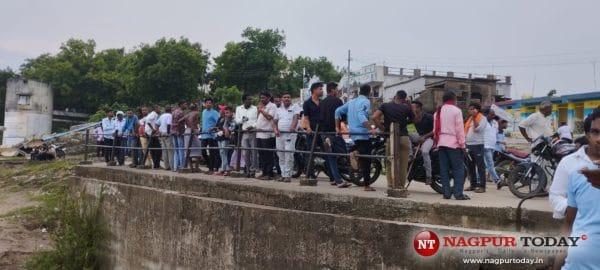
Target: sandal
463,198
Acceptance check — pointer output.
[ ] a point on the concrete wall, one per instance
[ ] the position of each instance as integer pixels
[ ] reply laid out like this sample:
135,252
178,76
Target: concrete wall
189,222
155,228
33,119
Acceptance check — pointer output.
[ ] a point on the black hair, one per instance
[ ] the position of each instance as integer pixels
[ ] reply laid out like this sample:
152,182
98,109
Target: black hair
168,109
487,111
418,103
266,94
228,108
563,123
209,99
448,95
245,96
587,123
331,85
581,140
314,86
401,94
181,102
193,106
476,106
108,110
286,93
365,89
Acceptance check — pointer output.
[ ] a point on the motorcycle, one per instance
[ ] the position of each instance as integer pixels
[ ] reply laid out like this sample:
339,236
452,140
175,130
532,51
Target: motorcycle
530,177
344,165
506,161
416,170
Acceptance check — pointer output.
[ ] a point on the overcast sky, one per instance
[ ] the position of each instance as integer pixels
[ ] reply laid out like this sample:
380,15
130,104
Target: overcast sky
542,44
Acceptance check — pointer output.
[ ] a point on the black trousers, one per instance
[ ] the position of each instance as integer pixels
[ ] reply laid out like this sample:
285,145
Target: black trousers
120,152
108,150
155,153
99,150
364,148
477,165
266,157
211,156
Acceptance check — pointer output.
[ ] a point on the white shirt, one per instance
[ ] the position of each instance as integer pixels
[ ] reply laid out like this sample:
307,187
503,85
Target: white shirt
164,121
119,126
489,139
263,124
108,127
150,119
537,125
558,190
565,132
285,116
251,113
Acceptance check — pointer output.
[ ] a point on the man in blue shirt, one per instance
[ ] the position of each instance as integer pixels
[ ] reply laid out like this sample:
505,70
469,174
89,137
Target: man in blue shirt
210,117
129,131
583,209
357,112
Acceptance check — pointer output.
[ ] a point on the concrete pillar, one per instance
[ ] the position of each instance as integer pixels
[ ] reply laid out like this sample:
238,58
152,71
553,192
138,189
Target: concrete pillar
417,72
401,71
398,148
386,70
507,79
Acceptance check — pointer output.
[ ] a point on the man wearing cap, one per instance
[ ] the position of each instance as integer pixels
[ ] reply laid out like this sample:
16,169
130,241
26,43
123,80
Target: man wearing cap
538,123
120,141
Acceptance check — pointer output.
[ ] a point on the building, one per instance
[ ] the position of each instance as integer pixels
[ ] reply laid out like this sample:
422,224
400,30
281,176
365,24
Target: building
571,109
428,86
28,111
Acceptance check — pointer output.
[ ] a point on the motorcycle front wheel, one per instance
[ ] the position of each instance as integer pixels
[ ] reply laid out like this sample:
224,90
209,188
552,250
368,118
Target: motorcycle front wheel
356,176
527,179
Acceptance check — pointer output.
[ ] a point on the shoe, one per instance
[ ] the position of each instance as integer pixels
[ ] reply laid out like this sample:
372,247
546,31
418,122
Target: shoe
428,181
209,172
480,190
219,173
447,198
344,185
287,180
368,188
471,188
333,183
463,198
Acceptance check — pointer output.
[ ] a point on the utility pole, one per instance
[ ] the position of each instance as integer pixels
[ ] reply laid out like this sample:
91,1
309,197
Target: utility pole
594,63
348,74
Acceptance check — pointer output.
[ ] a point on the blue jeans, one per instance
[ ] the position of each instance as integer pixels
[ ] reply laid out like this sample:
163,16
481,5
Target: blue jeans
488,154
452,159
224,153
179,156
331,161
130,142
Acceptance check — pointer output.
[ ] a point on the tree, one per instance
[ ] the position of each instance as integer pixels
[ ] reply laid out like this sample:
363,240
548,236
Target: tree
292,80
551,93
80,78
5,74
231,96
169,70
253,63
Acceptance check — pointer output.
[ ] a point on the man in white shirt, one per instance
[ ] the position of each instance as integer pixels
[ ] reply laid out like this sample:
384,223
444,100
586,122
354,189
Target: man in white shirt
286,120
264,137
564,132
246,115
164,131
489,144
537,124
586,156
108,128
151,131
120,141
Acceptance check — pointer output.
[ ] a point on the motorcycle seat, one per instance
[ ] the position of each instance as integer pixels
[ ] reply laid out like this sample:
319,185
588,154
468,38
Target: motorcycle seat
517,153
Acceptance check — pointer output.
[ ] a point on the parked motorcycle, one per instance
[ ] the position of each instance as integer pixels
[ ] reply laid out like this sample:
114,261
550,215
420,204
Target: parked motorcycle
346,171
507,160
529,178
416,170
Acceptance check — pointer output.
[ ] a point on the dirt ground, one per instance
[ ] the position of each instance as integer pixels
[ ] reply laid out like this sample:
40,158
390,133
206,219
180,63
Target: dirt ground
17,239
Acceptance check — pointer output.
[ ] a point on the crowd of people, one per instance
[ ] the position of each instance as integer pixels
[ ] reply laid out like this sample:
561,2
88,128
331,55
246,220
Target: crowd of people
182,136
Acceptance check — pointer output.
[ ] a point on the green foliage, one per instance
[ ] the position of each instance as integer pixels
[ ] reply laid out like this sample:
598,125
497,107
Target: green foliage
101,112
79,237
169,70
5,74
252,63
292,79
231,96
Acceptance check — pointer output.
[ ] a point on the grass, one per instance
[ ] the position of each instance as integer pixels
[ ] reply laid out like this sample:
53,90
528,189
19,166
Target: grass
74,222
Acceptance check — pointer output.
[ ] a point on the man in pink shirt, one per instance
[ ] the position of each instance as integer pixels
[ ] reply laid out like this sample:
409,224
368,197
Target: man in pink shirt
449,136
